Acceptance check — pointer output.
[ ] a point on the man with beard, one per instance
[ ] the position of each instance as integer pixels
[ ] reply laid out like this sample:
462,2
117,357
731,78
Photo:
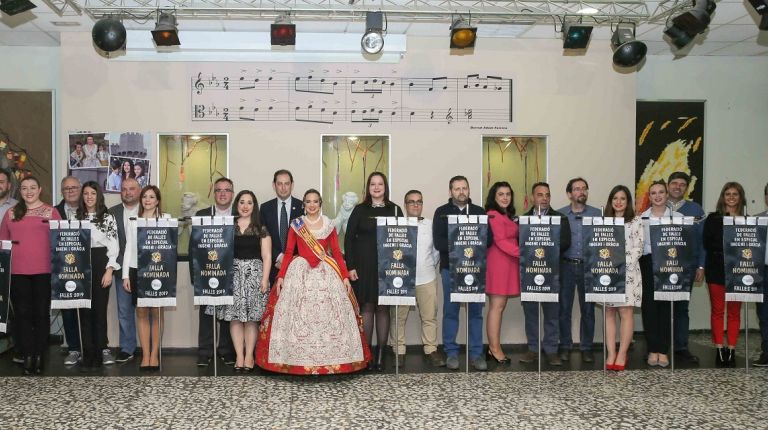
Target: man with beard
572,271
458,204
126,311
677,184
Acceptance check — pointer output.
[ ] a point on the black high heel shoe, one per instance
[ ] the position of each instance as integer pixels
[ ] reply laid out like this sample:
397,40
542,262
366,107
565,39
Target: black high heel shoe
505,360
380,358
38,365
29,366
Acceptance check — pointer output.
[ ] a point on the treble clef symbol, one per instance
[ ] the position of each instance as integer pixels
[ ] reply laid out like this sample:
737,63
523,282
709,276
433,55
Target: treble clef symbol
199,85
449,117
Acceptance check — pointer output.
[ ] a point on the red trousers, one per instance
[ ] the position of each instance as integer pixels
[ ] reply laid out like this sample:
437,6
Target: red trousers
717,302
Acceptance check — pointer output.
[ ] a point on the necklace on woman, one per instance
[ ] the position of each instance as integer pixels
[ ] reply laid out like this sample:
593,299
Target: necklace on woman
310,222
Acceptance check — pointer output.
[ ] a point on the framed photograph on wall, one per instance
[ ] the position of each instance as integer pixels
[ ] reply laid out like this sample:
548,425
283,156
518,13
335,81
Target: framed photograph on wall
109,157
519,160
188,165
347,160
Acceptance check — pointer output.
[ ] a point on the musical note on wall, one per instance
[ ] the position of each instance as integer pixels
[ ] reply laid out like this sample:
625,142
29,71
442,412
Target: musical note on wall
325,97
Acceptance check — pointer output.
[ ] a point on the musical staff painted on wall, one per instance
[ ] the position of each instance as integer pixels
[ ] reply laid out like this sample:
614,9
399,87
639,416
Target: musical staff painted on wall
325,97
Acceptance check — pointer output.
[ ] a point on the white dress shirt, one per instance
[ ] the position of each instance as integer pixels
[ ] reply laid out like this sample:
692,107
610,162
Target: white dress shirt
105,236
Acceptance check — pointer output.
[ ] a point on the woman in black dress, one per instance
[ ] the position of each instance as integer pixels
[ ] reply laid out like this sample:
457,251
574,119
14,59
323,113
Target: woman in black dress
730,203
362,261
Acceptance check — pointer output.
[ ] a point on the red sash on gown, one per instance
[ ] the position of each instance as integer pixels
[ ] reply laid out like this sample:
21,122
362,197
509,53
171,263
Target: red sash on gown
265,330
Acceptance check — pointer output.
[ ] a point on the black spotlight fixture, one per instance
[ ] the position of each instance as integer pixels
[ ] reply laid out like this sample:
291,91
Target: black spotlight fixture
576,35
13,7
166,32
463,35
282,32
678,37
109,34
761,6
696,20
688,24
372,41
627,51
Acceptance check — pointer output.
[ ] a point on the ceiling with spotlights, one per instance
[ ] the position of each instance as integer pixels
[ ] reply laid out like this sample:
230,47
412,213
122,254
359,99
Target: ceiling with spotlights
732,32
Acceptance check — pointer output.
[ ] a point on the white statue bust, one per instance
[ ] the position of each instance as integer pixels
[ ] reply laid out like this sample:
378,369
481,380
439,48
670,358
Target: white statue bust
348,202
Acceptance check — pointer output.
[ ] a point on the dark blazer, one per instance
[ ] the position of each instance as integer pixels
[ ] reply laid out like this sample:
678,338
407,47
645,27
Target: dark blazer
269,217
714,263
60,209
117,211
440,227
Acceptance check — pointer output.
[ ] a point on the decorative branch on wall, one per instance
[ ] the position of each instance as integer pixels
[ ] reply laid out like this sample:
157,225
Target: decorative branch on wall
15,158
188,149
189,165
519,173
342,96
347,162
26,136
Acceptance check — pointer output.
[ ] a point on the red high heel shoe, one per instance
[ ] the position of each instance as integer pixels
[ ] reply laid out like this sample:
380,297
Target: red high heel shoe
621,367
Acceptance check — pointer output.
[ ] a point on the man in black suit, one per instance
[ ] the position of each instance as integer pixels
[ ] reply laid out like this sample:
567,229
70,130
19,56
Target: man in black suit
276,214
126,311
223,193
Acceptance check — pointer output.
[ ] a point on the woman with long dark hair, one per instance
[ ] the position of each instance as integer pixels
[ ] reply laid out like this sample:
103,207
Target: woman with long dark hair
619,205
26,224
147,322
104,251
730,203
140,175
253,246
503,263
362,261
126,170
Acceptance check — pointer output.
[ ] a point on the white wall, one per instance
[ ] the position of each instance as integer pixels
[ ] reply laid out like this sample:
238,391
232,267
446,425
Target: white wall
579,102
735,130
583,106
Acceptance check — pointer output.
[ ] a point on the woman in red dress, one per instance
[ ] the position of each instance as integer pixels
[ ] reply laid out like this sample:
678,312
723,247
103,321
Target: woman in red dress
312,324
502,276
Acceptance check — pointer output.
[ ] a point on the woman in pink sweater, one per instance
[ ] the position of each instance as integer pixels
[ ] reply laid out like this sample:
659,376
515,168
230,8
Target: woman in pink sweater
502,276
27,225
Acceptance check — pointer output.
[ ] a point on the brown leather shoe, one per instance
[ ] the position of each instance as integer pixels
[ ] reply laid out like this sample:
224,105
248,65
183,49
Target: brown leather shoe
401,360
554,360
528,357
436,358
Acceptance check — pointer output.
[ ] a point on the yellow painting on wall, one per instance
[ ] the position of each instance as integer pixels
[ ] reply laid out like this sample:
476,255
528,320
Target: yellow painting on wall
519,160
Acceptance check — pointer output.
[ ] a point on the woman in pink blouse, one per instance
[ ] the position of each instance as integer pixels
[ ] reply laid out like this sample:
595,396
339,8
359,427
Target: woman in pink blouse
27,225
502,277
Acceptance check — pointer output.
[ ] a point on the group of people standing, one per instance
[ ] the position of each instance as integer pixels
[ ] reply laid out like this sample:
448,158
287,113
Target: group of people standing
302,306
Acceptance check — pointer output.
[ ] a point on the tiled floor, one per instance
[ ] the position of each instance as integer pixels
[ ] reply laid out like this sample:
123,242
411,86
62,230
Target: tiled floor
421,397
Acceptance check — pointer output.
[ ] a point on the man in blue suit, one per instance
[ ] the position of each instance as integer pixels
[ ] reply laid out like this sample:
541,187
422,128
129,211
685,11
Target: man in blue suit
276,214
